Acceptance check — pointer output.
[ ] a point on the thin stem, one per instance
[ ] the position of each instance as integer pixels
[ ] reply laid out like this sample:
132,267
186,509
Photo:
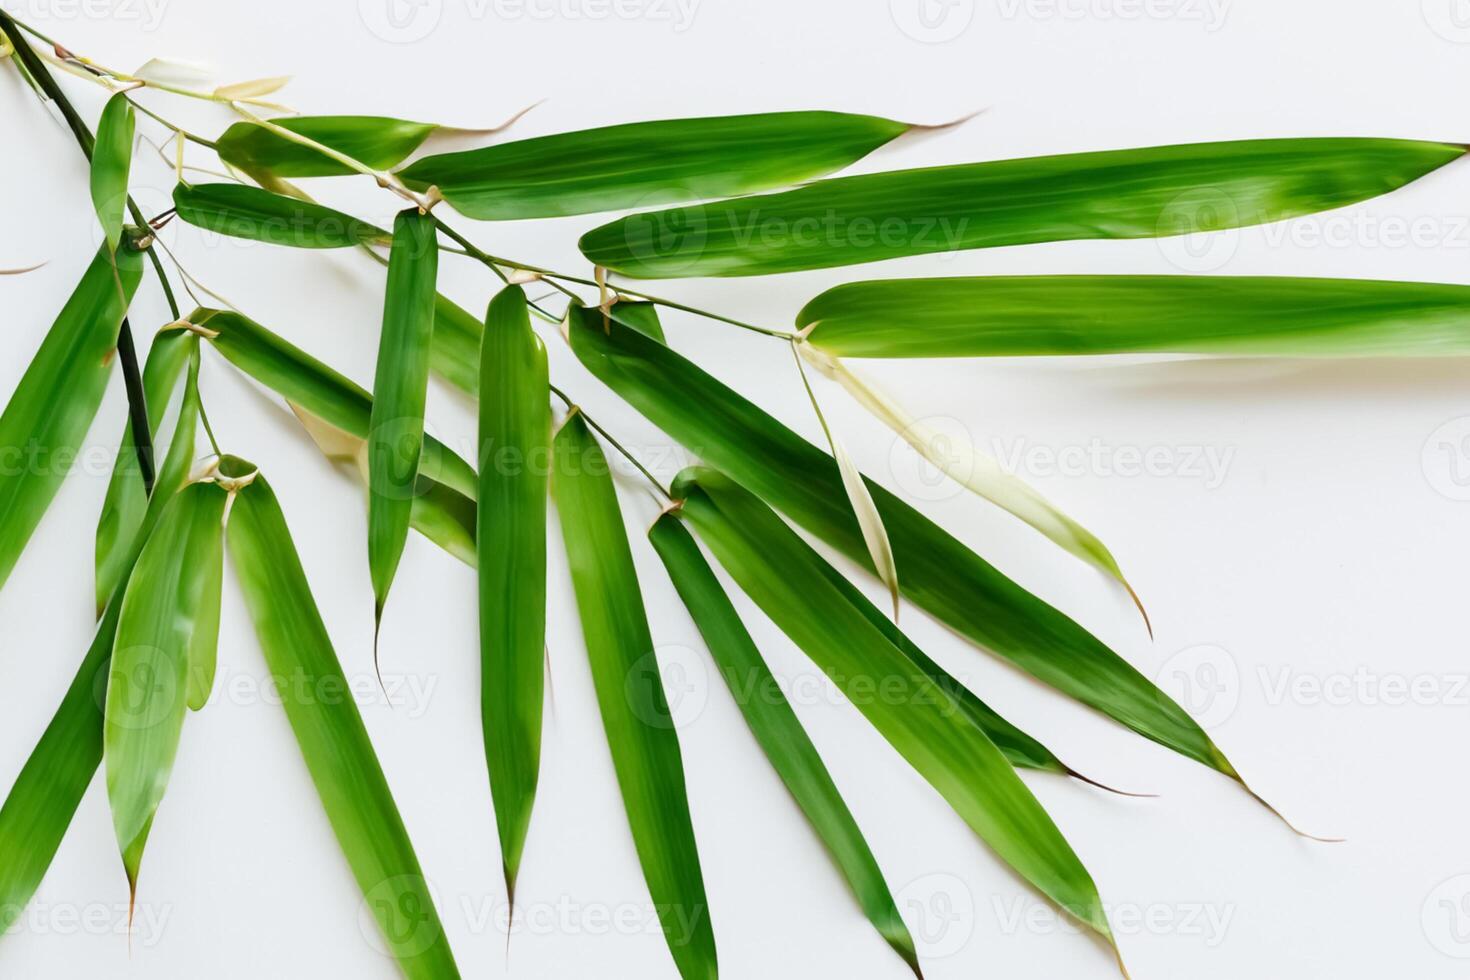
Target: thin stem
127,353
622,450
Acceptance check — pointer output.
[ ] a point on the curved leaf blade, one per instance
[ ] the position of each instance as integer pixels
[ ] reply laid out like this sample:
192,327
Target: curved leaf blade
778,730
936,571
1116,194
665,161
148,677
303,380
400,389
1004,316
927,727
515,448
48,415
330,733
112,157
631,698
127,499
242,211
378,141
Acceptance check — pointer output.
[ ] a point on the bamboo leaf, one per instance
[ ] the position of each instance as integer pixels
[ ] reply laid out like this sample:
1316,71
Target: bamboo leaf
242,211
641,316
936,571
665,161
515,436
1004,316
303,380
112,157
148,677
778,730
127,499
1118,194
775,568
400,388
645,754
48,790
204,641
377,141
253,89
455,351
47,417
331,735
957,458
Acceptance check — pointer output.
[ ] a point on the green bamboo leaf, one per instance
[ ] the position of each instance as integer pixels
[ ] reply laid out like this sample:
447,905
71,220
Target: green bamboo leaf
778,730
641,316
669,160
331,735
515,436
919,718
242,211
1141,193
43,425
112,157
400,388
455,353
935,570
148,677
630,694
127,499
377,141
48,790
204,642
1002,316
303,380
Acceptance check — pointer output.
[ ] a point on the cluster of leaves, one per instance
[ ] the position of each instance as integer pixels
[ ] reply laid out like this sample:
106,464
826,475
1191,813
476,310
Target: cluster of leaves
161,540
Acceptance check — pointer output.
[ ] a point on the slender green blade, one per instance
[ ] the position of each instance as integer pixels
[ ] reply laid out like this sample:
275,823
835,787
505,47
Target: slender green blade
630,694
241,211
303,380
455,355
1000,316
400,388
778,730
919,718
515,446
48,790
204,641
127,499
935,570
111,159
148,677
642,317
649,162
1140,193
43,425
377,141
331,735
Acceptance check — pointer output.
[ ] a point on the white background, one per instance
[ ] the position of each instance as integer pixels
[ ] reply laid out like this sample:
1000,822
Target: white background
1298,584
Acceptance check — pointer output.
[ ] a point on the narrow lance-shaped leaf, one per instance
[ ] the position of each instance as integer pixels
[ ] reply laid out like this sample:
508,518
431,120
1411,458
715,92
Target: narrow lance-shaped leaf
242,211
43,425
127,499
936,571
148,680
957,458
515,454
778,730
915,715
377,141
649,162
1006,316
303,380
400,388
46,794
1118,194
112,157
630,695
331,736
